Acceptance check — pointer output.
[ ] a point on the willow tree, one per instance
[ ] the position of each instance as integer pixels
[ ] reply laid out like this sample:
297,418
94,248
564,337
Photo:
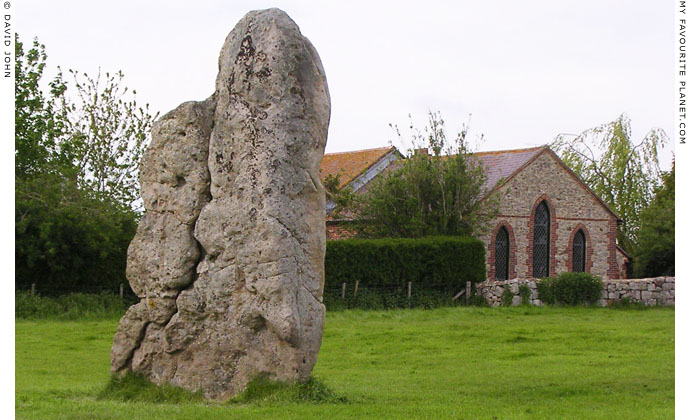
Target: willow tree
623,173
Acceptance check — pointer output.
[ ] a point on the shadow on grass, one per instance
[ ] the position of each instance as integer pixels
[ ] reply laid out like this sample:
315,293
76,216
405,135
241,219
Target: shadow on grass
136,388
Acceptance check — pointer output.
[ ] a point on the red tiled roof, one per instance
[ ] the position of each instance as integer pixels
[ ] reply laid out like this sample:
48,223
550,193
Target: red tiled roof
351,164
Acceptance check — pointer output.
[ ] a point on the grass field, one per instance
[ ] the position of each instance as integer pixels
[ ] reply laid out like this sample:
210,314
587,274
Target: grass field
459,363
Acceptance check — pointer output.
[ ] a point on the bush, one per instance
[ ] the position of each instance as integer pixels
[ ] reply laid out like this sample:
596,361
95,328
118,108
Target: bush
525,294
507,297
67,240
545,288
570,289
435,262
72,306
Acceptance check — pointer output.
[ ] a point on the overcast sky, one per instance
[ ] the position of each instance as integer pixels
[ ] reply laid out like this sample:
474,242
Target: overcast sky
526,70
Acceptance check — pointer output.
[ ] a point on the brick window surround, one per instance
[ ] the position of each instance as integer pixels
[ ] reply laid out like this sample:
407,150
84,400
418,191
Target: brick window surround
552,231
589,249
512,259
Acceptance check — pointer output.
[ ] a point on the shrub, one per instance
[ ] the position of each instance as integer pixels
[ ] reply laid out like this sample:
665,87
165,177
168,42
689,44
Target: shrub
507,297
525,293
67,240
571,289
435,262
545,288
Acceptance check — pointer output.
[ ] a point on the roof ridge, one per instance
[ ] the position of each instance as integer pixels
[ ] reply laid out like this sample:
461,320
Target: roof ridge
361,150
526,149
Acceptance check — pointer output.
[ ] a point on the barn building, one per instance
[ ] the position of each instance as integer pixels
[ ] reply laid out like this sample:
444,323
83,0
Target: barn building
548,220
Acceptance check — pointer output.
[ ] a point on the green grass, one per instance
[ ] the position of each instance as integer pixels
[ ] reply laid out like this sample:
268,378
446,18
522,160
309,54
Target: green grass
460,363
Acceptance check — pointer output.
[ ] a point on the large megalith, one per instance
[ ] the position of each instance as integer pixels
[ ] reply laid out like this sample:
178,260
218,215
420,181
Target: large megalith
228,258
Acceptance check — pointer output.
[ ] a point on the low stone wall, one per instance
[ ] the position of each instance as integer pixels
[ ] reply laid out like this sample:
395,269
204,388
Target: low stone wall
650,292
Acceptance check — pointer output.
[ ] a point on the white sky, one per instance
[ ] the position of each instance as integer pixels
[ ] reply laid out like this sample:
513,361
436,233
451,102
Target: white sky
526,70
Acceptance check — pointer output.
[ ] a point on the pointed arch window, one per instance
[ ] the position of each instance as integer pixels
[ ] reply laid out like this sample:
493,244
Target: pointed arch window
502,253
579,248
542,239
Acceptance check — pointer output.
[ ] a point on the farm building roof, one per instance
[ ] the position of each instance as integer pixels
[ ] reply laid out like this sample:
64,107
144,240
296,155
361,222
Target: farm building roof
351,164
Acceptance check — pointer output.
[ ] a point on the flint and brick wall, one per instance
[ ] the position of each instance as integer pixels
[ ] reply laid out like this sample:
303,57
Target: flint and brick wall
650,291
571,207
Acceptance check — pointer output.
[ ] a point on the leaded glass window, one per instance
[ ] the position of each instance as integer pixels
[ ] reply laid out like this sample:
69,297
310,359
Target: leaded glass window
579,247
540,249
502,253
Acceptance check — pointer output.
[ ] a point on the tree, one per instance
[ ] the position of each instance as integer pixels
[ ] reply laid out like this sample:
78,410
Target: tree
622,173
429,194
106,135
654,254
75,183
36,124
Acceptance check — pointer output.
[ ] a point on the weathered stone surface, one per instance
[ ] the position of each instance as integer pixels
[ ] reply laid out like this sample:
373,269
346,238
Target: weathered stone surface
228,259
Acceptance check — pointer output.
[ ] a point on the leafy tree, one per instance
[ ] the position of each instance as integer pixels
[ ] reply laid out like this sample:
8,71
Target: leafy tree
429,194
622,173
36,124
75,183
654,254
107,134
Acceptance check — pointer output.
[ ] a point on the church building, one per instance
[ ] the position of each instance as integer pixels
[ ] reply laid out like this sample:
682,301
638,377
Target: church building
548,220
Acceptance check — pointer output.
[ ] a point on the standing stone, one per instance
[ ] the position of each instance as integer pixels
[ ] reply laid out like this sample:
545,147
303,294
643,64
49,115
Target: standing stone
228,259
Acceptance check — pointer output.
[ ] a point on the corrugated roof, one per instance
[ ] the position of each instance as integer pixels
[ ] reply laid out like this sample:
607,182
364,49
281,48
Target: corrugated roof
351,164
501,164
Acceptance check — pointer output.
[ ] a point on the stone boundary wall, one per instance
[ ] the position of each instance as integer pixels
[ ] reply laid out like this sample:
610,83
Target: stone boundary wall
650,291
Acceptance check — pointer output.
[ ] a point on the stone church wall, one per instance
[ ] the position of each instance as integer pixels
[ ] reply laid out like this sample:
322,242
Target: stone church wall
650,292
571,207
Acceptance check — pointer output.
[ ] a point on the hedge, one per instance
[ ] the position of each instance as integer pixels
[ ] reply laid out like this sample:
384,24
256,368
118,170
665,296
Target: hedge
433,262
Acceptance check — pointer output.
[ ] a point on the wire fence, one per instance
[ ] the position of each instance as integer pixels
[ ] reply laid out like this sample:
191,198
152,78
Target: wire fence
338,296
46,290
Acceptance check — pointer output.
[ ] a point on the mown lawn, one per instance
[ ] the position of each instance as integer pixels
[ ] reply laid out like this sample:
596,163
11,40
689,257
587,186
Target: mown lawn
455,363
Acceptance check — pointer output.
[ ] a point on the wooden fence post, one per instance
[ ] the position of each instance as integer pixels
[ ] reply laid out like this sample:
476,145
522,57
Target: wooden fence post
33,289
468,290
343,294
122,291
